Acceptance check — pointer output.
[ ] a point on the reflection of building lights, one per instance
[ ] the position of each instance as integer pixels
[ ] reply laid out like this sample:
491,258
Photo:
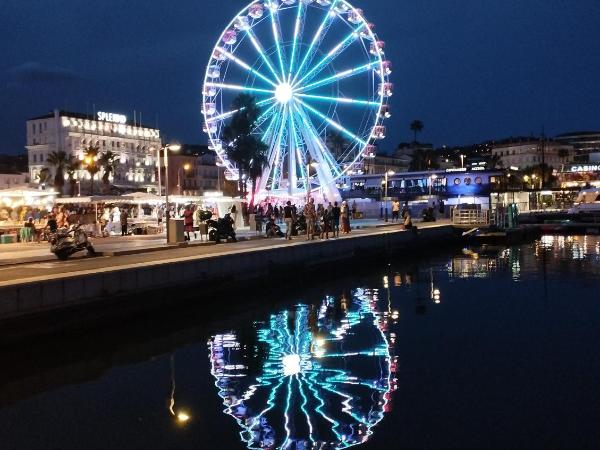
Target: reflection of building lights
395,315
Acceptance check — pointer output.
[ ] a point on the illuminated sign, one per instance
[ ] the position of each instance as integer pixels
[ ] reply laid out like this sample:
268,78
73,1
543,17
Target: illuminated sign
586,168
459,169
112,117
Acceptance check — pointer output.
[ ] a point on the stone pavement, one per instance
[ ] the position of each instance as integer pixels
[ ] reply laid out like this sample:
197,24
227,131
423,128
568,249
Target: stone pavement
116,246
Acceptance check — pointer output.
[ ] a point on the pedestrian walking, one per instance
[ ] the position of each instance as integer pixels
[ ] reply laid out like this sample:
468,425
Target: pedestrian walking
310,215
289,217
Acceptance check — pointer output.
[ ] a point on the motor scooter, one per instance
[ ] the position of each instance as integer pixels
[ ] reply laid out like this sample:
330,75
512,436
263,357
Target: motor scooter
67,241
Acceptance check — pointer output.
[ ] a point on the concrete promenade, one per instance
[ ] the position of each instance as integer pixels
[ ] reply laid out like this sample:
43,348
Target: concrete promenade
30,288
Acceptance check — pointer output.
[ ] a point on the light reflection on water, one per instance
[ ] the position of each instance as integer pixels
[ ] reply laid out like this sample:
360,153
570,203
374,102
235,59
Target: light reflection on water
317,376
419,353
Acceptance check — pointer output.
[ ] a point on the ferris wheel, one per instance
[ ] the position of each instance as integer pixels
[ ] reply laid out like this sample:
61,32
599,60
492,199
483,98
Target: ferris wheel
319,75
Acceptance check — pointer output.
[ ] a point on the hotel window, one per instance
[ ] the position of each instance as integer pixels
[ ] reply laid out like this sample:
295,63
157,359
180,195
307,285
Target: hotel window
112,143
103,143
34,158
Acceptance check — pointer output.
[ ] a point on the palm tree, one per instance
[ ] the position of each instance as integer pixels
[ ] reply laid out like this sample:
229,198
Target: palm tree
107,161
72,167
59,161
241,146
337,143
90,161
416,126
257,164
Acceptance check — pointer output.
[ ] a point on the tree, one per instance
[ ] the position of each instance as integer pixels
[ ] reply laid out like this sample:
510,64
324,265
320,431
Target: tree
337,143
107,161
43,176
73,165
257,164
416,126
241,146
424,160
90,161
59,161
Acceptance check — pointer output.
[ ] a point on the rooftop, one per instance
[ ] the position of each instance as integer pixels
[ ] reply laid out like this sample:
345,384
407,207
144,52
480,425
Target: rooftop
78,115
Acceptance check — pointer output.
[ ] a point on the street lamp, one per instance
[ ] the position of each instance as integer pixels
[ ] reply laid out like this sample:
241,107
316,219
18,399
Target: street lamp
462,161
158,149
166,148
309,164
387,173
186,167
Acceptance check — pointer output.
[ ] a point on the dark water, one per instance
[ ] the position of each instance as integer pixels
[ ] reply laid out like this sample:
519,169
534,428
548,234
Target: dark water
450,352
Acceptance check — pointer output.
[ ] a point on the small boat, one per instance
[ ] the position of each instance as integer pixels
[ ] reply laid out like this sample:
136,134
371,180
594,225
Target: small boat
587,202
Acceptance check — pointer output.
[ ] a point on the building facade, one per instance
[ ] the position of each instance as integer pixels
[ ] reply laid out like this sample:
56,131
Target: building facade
585,143
533,152
11,180
136,146
194,171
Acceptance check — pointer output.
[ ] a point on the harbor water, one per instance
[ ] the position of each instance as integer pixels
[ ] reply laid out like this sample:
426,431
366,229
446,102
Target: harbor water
494,349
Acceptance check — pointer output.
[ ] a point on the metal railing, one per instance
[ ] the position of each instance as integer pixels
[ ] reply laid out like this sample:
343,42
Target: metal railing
470,217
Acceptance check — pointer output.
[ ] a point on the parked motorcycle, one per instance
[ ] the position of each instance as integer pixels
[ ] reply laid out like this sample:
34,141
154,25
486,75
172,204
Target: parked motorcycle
222,228
67,241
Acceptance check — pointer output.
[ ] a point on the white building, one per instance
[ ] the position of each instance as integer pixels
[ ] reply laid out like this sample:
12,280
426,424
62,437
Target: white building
532,152
134,144
10,180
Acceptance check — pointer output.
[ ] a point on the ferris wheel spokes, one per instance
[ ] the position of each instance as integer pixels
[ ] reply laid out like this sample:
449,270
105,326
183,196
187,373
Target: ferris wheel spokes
338,76
339,99
228,114
331,55
318,37
333,123
260,50
276,27
237,87
297,31
244,65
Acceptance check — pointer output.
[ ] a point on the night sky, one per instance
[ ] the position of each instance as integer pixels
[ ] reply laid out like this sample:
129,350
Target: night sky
471,70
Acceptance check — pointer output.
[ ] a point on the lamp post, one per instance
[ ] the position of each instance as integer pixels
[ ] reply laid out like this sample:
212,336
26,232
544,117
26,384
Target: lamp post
166,148
158,165
387,173
462,161
186,167
309,164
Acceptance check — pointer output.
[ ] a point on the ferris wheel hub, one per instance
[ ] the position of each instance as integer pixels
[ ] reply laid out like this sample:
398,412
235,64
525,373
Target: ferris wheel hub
284,93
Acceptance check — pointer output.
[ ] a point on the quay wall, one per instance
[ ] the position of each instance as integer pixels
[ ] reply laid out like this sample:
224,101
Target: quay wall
29,298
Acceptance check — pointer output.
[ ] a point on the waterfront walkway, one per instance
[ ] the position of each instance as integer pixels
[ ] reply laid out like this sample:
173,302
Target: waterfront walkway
143,251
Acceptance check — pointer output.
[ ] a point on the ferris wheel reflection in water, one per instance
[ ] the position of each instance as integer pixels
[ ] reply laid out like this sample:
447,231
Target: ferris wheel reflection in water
313,377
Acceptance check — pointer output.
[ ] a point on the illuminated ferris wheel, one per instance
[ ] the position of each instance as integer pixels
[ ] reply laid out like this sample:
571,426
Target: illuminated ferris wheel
319,75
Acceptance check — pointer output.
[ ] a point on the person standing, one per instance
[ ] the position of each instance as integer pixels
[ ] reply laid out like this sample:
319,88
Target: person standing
310,214
188,222
288,217
325,223
335,220
395,210
345,216
123,219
